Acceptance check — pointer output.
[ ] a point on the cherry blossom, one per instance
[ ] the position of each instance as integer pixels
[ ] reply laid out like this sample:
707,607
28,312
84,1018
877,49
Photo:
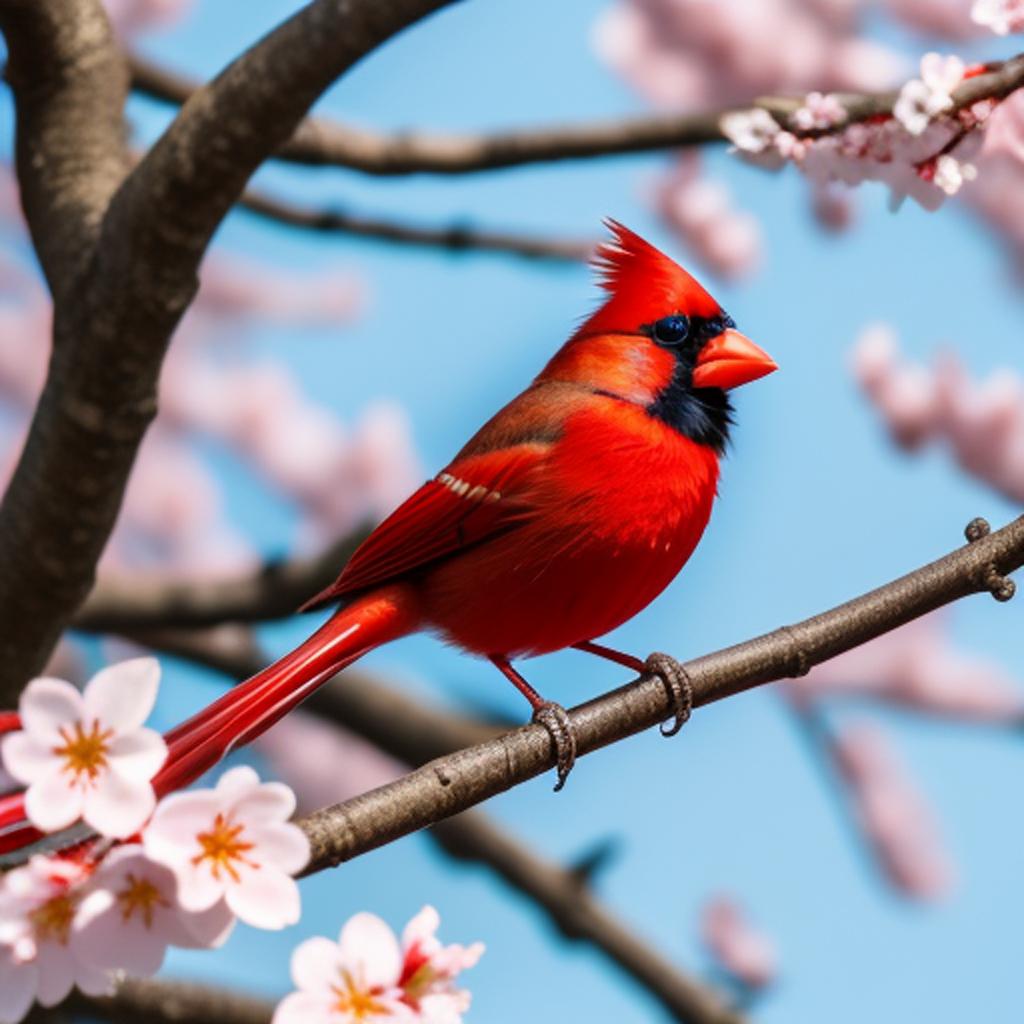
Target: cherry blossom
751,131
894,815
743,952
233,842
39,904
982,422
1001,16
131,915
723,238
922,99
819,111
950,174
366,975
86,754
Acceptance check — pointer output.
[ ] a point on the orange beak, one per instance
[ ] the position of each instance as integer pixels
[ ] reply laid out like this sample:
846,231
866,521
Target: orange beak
729,361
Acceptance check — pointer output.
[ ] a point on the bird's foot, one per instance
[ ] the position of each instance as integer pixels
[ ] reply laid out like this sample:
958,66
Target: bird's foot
677,685
556,720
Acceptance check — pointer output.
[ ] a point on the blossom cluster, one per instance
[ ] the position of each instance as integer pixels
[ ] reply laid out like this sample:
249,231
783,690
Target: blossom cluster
982,423
922,151
178,872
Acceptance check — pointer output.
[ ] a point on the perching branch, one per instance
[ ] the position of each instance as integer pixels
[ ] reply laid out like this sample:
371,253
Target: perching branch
461,237
454,783
119,302
414,733
319,141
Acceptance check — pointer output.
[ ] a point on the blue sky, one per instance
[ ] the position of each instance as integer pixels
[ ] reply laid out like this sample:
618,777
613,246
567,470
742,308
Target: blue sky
815,507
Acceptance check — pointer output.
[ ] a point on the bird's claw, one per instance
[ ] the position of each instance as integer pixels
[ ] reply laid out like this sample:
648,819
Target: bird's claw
556,720
679,688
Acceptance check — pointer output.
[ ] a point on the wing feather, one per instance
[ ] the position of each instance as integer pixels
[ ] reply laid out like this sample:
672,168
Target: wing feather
477,497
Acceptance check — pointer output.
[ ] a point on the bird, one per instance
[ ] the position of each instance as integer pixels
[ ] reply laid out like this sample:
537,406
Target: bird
563,517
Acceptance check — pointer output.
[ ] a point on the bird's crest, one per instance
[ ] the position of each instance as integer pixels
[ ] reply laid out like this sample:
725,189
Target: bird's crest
643,283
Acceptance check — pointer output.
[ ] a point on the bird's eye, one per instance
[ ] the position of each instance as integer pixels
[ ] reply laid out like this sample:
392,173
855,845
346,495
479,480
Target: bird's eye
670,330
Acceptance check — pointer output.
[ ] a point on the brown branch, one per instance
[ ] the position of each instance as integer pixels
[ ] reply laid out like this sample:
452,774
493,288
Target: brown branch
415,733
319,141
454,783
164,1001
113,321
580,916
461,237
65,71
275,591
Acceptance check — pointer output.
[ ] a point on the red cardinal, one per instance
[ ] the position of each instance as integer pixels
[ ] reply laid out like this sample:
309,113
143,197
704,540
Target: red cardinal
564,516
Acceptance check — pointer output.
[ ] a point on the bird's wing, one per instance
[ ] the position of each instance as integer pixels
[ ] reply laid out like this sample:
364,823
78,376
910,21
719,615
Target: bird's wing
474,499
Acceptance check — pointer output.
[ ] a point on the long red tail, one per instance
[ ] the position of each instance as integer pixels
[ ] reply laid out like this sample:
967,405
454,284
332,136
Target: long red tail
252,707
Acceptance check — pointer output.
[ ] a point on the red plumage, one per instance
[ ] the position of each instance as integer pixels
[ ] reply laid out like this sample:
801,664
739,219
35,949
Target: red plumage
564,516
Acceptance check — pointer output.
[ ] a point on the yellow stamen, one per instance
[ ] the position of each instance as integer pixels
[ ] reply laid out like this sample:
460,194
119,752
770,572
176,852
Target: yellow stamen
142,896
355,1001
84,753
223,848
52,920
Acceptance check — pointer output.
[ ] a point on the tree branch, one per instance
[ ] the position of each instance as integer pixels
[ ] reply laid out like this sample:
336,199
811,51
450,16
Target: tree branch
457,238
275,591
112,329
580,916
69,81
415,733
456,782
163,1001
318,141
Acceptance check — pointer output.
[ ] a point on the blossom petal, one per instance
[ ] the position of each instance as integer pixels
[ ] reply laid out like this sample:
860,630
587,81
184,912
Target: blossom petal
104,939
27,757
139,754
118,806
236,782
198,890
307,1008
93,981
265,898
46,704
422,928
370,951
206,929
51,804
56,973
17,989
271,801
283,845
170,837
316,964
121,696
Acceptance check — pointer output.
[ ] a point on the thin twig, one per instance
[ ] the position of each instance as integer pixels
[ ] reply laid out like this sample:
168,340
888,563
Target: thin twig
462,237
318,141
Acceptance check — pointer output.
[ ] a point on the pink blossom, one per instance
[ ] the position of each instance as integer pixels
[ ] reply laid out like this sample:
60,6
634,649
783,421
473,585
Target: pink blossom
131,915
132,16
921,99
982,423
724,239
86,754
38,908
366,975
1001,16
892,812
819,111
750,131
234,843
745,953
951,174
916,667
